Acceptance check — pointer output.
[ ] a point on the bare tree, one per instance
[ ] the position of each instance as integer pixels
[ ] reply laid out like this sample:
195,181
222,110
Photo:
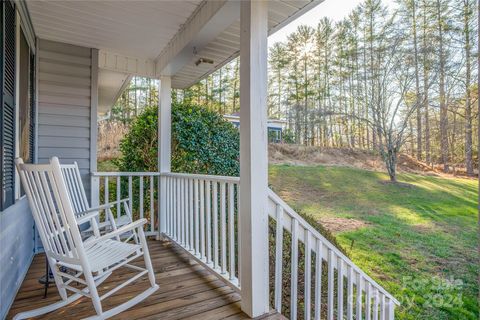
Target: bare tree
395,108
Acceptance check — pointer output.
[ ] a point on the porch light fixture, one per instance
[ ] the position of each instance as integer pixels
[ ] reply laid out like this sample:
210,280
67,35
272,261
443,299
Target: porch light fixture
203,60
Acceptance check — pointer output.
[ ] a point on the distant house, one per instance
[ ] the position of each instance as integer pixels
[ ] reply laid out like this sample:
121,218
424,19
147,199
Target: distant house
275,126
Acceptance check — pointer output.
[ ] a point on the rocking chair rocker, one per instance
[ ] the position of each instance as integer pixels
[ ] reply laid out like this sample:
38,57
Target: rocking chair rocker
89,261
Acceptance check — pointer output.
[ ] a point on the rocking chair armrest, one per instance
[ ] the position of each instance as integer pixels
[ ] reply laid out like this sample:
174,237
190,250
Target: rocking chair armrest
86,215
134,225
107,205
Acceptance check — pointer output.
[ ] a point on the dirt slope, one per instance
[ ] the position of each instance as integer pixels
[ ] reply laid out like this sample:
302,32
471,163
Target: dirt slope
362,159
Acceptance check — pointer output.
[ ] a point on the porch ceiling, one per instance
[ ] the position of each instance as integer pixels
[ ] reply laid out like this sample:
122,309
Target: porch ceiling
162,37
135,28
226,45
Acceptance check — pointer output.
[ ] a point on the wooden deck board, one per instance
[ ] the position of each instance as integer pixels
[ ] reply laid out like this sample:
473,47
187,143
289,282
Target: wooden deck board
187,291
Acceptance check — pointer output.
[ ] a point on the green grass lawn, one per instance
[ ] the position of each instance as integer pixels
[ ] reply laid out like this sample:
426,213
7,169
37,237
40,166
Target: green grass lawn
417,240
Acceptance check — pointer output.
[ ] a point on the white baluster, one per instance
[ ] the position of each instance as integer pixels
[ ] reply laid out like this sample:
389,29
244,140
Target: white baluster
375,304
318,279
223,226
171,204
208,220
202,219
191,214
383,308
331,273
186,218
278,258
308,275
358,309
180,212
231,230
215,224
130,194
340,288
141,197
294,271
368,302
197,220
349,293
118,196
152,211
391,309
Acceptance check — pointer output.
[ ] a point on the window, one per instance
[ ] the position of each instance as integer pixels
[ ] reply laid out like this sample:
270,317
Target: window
16,101
7,102
25,103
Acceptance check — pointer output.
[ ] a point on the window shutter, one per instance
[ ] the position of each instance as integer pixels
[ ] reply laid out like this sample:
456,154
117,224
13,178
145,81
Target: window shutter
32,108
7,113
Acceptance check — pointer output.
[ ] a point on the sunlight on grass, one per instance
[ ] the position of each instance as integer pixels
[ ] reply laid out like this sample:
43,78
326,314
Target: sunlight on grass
411,217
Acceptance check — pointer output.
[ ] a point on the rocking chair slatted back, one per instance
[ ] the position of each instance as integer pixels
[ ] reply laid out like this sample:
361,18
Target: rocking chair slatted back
52,210
73,180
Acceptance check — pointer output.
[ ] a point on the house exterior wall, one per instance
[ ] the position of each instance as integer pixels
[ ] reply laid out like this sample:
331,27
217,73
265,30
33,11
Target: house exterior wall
66,127
65,104
17,250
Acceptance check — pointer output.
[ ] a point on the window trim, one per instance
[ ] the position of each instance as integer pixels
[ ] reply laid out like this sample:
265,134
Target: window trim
22,28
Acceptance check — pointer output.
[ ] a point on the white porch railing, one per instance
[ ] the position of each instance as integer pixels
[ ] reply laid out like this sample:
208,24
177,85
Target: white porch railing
350,292
141,187
202,217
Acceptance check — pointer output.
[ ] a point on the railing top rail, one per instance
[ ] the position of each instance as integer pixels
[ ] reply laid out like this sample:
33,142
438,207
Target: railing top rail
277,200
167,174
124,174
201,176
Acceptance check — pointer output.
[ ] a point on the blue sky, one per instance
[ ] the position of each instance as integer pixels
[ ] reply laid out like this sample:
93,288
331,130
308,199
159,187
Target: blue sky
335,9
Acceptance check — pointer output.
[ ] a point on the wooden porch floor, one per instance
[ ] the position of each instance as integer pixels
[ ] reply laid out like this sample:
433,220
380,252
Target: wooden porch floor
187,291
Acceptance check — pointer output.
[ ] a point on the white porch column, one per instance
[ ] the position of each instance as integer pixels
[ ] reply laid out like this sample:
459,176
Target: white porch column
164,145
253,158
94,181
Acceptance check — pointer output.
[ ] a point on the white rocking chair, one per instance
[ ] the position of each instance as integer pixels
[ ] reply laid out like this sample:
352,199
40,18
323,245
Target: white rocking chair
78,198
90,261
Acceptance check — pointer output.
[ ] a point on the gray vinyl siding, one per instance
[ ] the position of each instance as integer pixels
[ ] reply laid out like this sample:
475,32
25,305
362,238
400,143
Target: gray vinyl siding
17,250
64,104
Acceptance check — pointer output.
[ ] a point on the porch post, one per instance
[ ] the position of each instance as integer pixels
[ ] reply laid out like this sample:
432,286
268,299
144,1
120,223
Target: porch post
253,158
164,146
95,181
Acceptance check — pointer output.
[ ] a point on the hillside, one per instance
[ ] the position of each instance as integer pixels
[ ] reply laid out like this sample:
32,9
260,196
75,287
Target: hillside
355,158
417,238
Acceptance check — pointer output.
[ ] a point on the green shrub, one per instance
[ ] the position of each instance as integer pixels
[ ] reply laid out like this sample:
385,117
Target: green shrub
202,142
288,136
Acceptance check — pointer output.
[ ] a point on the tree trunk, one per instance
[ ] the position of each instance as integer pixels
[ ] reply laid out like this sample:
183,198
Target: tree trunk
136,102
417,84
365,88
326,98
426,86
234,98
412,143
305,102
390,159
478,140
443,104
468,107
372,83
